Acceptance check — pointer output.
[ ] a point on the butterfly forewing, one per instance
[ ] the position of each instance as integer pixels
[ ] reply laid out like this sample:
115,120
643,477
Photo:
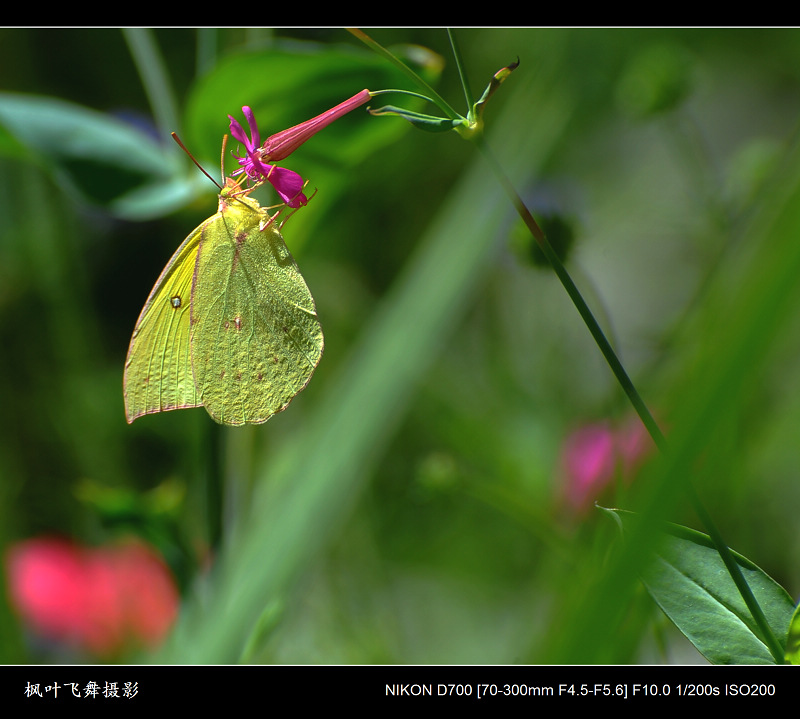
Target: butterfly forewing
158,373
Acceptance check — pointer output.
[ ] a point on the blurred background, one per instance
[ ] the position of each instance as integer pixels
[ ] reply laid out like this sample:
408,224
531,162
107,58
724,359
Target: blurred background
428,498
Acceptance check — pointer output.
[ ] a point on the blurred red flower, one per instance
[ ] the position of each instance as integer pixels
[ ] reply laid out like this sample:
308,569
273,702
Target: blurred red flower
593,455
103,599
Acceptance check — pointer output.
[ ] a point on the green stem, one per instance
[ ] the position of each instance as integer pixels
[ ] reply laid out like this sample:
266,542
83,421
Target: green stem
577,299
461,72
774,646
431,94
638,403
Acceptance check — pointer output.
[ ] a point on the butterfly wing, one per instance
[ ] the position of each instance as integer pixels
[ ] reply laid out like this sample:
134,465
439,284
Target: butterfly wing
158,372
255,336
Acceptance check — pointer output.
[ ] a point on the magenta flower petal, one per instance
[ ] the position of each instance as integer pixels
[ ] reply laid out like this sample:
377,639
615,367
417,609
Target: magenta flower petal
251,121
288,184
238,132
252,166
588,461
595,454
251,162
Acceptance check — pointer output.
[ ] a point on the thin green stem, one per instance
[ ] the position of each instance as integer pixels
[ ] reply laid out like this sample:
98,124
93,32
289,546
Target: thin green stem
461,70
638,403
577,299
375,93
434,96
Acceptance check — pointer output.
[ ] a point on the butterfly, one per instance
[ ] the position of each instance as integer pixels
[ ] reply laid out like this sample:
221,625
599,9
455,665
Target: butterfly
230,324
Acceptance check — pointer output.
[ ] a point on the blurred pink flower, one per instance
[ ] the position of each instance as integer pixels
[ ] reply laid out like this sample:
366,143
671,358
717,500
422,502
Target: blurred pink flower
594,455
103,599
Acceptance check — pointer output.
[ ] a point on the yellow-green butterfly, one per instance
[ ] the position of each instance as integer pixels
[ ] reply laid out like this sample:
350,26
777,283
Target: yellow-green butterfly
230,324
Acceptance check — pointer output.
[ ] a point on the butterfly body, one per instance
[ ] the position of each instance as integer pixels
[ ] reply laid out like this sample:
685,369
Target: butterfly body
229,325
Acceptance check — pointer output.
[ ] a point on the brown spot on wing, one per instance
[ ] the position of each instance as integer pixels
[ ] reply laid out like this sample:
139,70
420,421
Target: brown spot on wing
240,239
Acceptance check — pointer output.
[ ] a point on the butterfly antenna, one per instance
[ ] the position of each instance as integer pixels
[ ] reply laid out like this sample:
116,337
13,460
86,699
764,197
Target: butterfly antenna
191,156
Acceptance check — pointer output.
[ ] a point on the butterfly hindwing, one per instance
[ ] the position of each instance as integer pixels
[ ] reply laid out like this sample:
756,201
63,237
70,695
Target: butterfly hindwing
255,336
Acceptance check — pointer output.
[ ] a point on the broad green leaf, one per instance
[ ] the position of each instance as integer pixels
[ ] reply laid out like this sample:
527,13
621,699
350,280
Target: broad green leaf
100,157
793,640
690,583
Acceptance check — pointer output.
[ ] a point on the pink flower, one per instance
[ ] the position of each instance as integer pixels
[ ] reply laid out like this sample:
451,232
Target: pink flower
282,144
288,184
279,146
594,455
102,600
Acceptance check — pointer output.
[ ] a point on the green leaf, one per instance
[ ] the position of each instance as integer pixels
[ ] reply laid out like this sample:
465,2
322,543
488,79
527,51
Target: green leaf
429,123
793,640
97,156
692,586
497,79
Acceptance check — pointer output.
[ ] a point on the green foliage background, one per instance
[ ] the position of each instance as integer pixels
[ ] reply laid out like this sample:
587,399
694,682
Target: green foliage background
407,507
